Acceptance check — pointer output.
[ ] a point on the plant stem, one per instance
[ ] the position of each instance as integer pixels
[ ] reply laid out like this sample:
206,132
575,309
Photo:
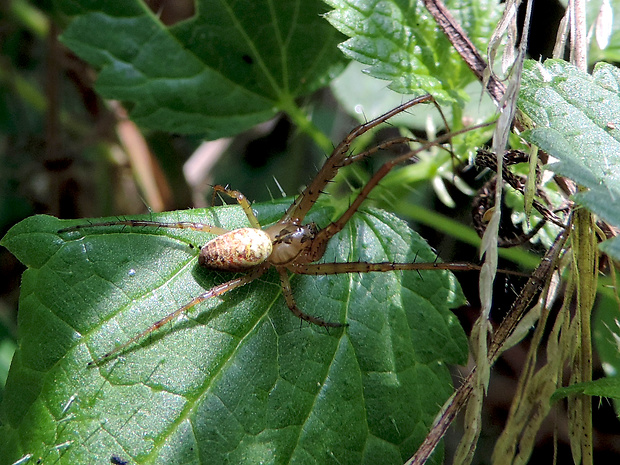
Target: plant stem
305,124
464,47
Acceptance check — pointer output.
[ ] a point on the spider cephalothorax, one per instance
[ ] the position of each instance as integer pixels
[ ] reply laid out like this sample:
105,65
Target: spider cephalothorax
291,243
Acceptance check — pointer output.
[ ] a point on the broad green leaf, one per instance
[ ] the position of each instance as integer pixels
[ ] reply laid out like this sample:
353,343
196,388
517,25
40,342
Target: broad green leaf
232,65
402,43
577,122
239,379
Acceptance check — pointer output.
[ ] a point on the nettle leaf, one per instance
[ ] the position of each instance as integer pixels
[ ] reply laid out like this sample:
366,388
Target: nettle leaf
577,122
232,65
606,387
402,43
239,379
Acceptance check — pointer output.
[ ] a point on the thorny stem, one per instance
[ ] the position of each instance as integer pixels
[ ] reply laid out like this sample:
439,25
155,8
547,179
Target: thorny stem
461,396
303,203
464,47
585,269
579,49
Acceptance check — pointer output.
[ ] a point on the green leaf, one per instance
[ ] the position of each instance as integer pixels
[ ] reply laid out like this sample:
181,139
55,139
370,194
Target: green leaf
402,43
239,379
232,65
577,122
605,387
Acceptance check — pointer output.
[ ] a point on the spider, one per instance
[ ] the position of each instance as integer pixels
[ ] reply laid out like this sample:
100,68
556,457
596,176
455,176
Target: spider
289,245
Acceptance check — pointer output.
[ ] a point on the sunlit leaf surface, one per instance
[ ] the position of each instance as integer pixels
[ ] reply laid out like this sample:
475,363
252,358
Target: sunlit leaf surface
239,379
577,121
402,43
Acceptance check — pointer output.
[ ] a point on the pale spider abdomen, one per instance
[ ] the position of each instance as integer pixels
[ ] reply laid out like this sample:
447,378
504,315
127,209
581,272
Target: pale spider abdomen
237,250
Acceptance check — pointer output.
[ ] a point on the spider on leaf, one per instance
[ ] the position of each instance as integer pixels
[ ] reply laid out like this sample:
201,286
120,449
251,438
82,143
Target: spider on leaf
289,245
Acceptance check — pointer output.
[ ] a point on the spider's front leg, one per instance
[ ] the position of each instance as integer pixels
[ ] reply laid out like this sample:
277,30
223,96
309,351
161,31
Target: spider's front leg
338,158
319,243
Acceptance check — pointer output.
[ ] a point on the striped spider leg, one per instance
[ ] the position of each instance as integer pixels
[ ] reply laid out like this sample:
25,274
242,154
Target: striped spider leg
288,245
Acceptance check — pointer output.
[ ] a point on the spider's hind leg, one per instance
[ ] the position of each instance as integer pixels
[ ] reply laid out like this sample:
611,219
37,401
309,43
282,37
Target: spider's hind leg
213,292
292,305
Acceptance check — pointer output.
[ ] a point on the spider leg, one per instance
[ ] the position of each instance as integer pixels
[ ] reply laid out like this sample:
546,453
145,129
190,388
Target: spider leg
304,202
389,143
316,269
323,236
382,146
213,292
243,202
154,224
203,227
292,305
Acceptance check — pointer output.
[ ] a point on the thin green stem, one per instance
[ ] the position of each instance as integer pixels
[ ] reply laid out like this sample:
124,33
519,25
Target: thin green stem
305,124
33,19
